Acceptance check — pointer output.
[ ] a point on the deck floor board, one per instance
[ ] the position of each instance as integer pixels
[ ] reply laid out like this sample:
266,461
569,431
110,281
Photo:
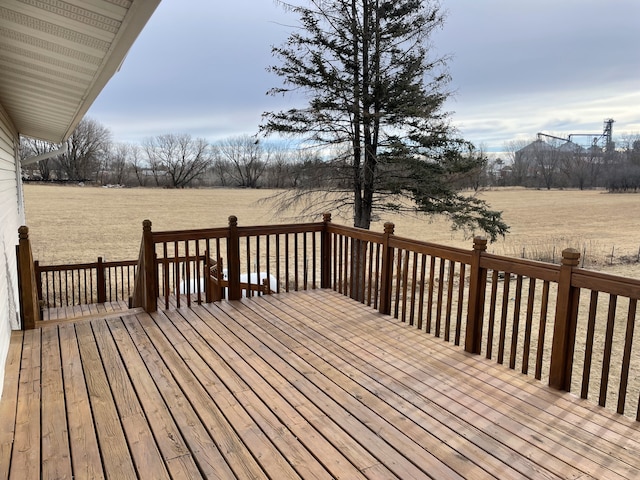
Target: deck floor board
297,385
531,425
446,432
77,312
8,405
336,398
56,455
422,408
216,383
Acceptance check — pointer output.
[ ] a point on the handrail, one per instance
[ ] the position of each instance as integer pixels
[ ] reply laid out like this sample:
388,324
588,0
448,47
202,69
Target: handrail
52,286
85,266
181,235
602,282
520,266
443,251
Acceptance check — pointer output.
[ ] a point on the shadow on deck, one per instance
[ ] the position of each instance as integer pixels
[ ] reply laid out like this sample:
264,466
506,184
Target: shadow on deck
298,385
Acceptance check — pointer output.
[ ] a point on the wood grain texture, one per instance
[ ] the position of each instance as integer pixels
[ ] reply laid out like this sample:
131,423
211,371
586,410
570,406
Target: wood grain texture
301,385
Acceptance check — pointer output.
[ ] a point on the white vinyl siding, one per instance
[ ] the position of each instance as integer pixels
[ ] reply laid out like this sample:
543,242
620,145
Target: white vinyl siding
11,217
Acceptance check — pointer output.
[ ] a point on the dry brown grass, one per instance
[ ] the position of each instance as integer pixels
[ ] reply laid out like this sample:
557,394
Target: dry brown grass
73,224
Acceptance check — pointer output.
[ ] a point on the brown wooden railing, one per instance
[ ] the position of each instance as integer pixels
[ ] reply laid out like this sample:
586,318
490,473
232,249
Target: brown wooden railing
568,326
54,286
285,257
85,283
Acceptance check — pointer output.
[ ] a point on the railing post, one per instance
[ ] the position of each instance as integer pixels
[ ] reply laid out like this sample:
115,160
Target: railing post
150,290
29,301
233,260
325,253
564,333
101,282
477,287
386,282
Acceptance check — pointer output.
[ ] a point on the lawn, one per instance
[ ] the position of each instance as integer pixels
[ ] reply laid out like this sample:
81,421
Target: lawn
76,224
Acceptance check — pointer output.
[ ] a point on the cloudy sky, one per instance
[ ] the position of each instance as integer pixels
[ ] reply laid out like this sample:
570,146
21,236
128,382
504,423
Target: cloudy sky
518,68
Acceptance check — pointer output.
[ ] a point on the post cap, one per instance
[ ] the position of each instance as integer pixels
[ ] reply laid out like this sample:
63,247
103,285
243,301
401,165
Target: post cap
233,221
389,227
23,232
570,257
480,243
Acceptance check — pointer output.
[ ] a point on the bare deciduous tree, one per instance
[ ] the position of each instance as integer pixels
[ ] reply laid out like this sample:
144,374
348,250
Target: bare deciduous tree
248,159
86,150
136,165
221,169
31,147
118,164
520,167
278,174
181,158
630,145
581,166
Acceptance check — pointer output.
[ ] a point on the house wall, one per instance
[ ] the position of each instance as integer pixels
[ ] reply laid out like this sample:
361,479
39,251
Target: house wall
11,217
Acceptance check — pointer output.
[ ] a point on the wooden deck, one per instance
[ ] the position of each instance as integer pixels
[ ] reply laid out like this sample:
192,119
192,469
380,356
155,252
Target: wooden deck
299,385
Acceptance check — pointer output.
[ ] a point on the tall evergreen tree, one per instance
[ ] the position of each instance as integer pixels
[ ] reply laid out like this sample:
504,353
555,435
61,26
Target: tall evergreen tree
375,93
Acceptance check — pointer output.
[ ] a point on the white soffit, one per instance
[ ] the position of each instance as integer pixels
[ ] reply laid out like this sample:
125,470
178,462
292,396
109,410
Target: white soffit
56,56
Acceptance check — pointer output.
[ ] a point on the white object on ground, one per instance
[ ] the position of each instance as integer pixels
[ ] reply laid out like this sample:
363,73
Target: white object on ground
252,278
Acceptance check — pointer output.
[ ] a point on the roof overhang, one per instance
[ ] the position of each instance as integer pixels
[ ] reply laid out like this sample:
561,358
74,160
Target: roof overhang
56,57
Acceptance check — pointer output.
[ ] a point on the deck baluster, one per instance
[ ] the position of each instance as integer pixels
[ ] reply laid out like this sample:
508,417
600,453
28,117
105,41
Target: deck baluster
101,283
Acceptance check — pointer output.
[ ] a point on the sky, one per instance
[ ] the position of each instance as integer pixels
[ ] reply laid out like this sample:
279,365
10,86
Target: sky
518,67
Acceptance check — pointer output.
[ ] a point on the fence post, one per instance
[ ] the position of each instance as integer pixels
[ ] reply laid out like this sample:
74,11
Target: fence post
325,253
150,290
29,301
386,282
101,282
233,260
477,287
564,333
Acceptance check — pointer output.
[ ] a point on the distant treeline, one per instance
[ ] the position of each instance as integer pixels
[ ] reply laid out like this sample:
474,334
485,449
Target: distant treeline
179,161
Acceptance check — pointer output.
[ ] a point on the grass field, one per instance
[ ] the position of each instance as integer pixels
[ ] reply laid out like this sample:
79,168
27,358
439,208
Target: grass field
76,224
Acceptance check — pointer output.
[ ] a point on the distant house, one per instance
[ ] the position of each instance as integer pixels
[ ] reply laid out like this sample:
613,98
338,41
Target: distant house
55,61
